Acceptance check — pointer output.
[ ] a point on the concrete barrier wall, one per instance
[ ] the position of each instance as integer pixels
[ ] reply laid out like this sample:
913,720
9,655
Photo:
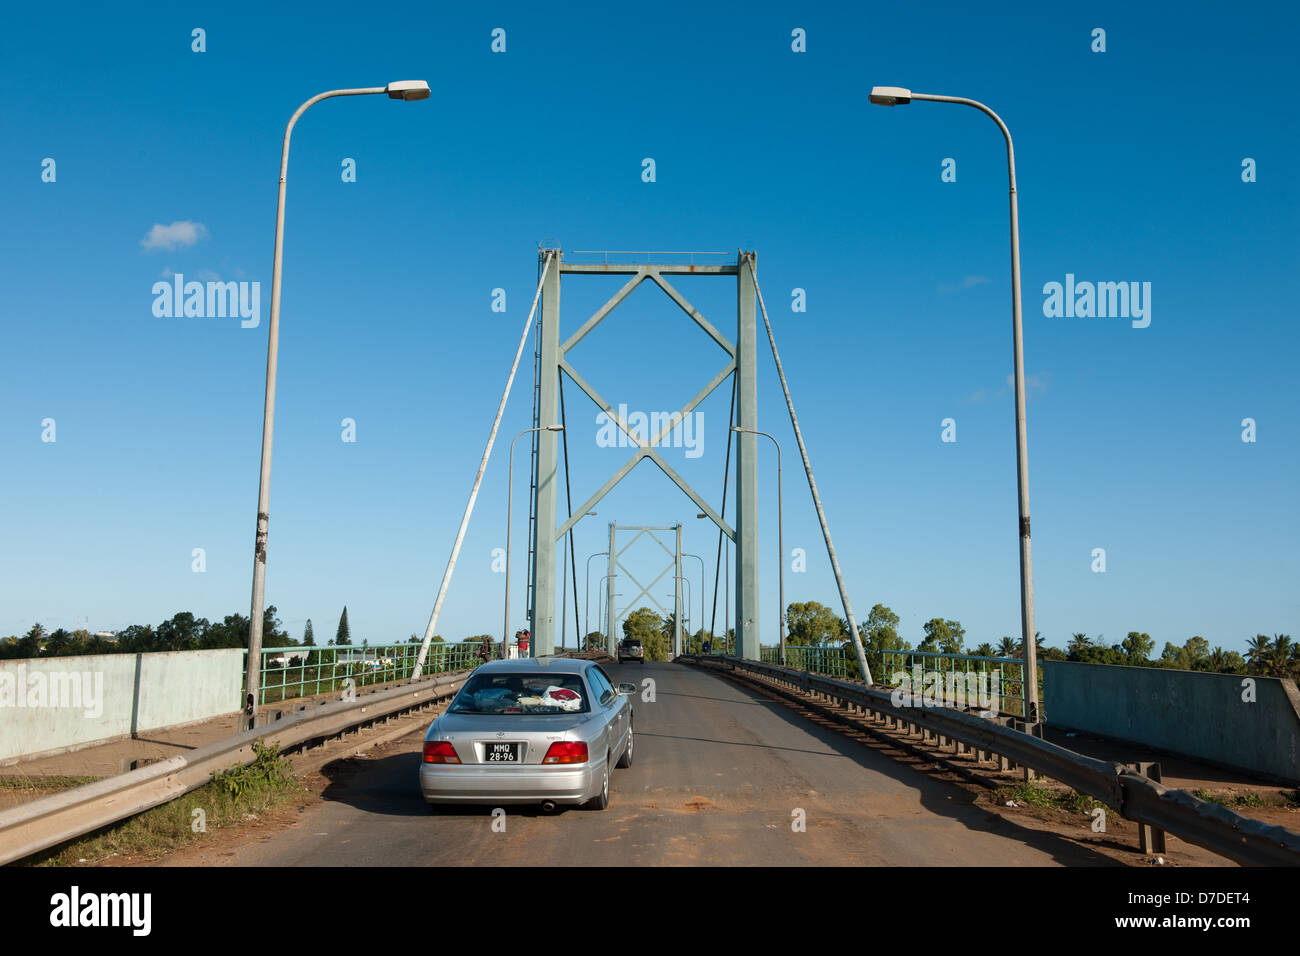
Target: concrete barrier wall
50,705
1191,713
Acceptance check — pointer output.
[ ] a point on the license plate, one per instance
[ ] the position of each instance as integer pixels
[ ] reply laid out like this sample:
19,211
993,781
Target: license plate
501,753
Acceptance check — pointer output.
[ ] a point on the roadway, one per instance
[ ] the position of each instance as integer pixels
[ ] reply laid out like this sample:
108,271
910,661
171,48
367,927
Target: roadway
719,774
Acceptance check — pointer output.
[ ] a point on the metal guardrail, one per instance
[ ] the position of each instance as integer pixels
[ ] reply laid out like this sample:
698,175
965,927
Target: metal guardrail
50,821
1132,795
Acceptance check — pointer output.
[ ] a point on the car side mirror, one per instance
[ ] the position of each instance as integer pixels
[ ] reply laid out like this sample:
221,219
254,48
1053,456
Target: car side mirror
626,689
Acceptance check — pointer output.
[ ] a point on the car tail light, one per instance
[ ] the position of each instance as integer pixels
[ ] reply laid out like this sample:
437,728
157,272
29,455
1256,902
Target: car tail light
439,751
566,752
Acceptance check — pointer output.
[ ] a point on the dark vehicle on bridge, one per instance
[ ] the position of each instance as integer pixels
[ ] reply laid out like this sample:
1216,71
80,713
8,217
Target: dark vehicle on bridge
545,730
630,649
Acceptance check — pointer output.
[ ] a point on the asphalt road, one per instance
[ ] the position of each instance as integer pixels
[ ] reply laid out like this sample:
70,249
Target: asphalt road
720,775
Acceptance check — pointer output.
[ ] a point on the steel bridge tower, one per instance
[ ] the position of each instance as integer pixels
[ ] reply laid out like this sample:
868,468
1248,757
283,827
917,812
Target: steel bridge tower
741,356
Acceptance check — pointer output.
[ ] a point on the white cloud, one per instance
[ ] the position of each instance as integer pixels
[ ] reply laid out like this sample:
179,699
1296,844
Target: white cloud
1035,383
967,282
178,235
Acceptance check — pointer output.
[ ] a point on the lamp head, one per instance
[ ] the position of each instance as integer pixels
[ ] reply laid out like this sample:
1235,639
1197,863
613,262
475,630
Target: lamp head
408,90
890,96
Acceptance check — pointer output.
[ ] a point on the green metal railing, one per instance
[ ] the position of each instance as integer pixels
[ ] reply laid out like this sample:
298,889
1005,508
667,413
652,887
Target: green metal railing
952,669
829,659
289,672
955,668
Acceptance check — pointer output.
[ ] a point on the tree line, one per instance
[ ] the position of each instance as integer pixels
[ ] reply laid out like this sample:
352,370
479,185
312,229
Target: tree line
181,632
811,623
807,624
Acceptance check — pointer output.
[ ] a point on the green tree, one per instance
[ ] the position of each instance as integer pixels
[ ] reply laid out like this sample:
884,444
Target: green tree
81,640
666,629
136,639
1137,647
944,636
879,634
647,627
59,643
1078,646
232,631
1257,649
344,634
1008,647
1173,656
1099,654
181,633
1197,649
29,645
811,623
1280,656
594,641
273,635
308,635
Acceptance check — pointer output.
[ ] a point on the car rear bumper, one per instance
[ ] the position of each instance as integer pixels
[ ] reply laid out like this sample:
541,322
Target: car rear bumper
467,783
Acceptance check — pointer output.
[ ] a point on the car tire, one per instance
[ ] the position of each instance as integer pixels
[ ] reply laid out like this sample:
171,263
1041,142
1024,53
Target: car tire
601,800
626,760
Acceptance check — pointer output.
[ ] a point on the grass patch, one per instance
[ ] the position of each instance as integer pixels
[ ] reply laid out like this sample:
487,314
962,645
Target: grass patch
231,797
1031,795
1286,798
24,782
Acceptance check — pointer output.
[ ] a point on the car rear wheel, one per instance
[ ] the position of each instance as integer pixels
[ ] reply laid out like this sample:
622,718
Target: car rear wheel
601,800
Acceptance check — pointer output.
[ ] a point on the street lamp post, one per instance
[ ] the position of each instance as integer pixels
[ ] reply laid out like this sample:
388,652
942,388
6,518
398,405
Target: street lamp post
601,600
898,96
701,560
405,90
780,529
602,604
587,588
687,581
510,480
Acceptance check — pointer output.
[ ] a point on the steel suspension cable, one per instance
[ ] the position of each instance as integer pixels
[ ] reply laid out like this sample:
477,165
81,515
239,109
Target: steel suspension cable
478,480
726,480
812,485
568,494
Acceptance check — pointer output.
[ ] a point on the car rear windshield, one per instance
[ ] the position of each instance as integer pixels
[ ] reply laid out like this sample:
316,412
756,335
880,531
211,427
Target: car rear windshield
631,643
507,693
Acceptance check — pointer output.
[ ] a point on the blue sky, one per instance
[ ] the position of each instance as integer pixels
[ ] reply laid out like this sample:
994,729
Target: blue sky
1130,168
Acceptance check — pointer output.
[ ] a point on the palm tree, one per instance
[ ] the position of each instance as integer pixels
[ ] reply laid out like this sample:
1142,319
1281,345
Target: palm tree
1278,662
984,650
1008,647
1257,649
1079,643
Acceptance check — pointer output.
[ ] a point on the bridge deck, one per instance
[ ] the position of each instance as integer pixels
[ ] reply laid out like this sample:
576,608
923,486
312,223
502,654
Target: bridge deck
719,771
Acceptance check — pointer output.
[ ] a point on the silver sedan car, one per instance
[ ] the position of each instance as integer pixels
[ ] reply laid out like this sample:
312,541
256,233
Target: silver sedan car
535,731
